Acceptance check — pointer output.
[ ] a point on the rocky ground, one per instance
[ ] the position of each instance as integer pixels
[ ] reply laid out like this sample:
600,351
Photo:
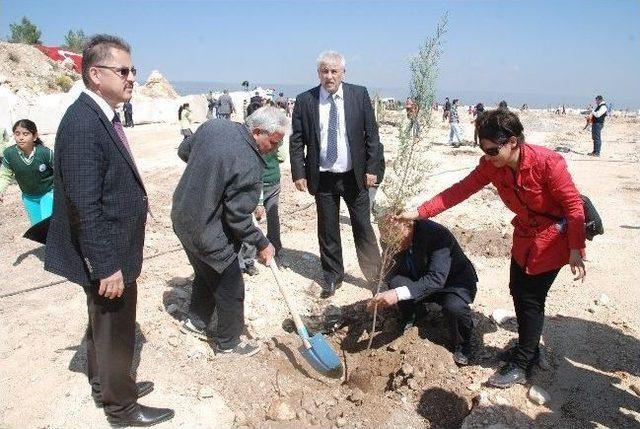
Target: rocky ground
590,376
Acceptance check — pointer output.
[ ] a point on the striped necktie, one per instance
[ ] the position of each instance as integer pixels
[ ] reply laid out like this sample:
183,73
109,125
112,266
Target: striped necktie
332,135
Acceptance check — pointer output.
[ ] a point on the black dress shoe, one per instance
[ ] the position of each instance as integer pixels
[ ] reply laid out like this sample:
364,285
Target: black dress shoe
142,416
507,376
144,388
329,290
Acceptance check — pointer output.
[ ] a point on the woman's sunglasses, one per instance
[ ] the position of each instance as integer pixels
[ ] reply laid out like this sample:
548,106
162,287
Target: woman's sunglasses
492,151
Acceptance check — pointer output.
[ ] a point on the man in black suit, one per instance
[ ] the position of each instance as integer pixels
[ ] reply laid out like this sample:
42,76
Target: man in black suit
430,266
335,152
96,236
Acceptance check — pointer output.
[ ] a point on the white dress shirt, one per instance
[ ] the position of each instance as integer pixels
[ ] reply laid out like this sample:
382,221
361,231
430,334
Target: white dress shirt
102,104
343,163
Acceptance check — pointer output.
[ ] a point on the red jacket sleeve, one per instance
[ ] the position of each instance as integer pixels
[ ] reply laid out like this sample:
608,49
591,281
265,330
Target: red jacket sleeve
564,192
476,180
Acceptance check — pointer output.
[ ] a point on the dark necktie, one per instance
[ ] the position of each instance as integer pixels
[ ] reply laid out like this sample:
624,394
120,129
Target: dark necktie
117,125
332,135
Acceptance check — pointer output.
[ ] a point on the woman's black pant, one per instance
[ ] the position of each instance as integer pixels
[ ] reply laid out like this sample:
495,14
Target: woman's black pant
529,293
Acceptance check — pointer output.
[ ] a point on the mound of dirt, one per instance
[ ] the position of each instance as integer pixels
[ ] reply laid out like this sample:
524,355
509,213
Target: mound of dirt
489,242
157,86
24,67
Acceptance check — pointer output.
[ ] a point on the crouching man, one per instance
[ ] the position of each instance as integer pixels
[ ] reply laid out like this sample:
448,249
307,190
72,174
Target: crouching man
213,206
430,267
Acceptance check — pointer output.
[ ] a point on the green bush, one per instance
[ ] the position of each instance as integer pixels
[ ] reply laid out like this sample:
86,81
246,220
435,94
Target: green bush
25,32
75,40
64,82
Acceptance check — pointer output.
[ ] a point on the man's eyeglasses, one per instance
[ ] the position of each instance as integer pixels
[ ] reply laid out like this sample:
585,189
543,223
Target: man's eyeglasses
122,72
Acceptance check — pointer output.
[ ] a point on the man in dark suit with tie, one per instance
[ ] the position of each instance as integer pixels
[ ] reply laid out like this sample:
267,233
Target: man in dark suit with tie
335,152
430,266
96,235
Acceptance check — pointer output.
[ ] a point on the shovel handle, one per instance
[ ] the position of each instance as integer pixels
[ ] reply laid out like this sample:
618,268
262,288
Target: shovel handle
287,298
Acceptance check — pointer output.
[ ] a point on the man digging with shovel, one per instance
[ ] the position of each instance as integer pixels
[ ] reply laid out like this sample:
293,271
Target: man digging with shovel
212,214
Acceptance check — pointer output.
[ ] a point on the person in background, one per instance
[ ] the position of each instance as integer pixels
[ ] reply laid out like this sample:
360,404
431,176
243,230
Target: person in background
184,117
454,123
225,105
281,102
430,266
212,105
477,111
503,105
31,163
256,99
549,232
411,108
597,123
127,108
290,105
446,108
268,205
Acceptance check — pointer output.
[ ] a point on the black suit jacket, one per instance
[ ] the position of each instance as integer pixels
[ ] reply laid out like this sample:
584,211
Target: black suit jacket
100,204
439,264
362,132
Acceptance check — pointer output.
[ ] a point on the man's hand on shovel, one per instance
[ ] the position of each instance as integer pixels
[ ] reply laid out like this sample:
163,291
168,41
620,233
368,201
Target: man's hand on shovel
266,255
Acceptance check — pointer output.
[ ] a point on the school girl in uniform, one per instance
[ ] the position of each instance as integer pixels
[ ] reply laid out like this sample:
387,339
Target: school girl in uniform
31,164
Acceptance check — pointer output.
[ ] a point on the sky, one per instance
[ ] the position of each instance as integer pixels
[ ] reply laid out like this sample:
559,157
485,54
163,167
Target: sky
553,51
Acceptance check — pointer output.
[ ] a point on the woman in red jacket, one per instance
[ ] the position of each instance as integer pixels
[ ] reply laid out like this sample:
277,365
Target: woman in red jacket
535,184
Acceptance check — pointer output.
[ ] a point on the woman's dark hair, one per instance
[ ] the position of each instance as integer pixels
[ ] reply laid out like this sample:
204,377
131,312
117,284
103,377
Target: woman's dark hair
499,125
180,109
252,107
29,126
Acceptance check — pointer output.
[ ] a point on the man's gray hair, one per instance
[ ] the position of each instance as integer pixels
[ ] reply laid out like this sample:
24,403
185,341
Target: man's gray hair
268,119
330,57
98,50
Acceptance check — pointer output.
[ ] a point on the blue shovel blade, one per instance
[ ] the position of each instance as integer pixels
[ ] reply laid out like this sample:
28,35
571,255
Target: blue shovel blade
322,357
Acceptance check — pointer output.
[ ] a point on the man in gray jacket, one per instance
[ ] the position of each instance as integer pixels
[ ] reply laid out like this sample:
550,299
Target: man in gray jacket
212,215
225,105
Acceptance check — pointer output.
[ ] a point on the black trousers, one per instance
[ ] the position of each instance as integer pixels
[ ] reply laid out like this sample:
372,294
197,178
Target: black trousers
331,188
110,339
223,292
529,293
457,314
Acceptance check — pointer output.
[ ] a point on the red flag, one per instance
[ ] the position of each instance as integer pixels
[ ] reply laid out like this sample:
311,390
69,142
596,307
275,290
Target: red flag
60,54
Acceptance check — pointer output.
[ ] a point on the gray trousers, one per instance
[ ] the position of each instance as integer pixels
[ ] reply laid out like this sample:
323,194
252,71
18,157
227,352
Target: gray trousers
271,200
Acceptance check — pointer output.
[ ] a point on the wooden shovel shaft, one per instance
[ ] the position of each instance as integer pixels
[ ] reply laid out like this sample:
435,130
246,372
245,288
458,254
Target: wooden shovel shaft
287,298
